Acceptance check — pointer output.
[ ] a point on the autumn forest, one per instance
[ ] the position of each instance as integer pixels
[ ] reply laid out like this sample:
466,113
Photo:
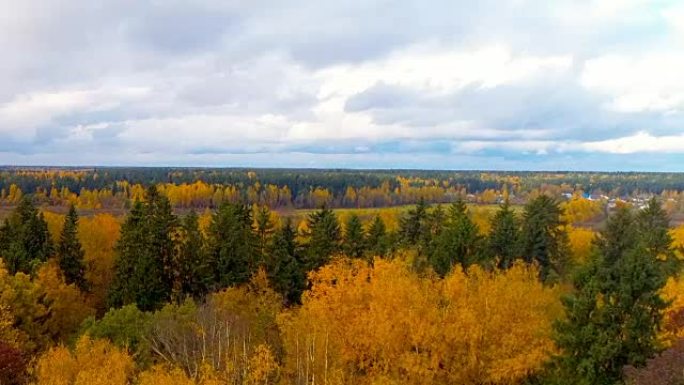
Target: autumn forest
141,276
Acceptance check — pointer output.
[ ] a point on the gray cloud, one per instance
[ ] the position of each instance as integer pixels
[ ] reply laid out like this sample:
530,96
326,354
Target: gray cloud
211,81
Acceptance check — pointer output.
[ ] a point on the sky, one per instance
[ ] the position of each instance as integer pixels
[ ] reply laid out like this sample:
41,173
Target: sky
444,84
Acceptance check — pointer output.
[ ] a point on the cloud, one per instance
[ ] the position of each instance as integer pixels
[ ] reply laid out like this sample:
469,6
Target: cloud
493,84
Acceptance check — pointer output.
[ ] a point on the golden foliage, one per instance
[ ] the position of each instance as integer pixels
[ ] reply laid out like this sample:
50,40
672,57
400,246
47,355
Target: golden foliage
362,324
21,306
65,303
580,243
579,209
673,320
160,375
98,236
93,362
55,224
262,367
677,234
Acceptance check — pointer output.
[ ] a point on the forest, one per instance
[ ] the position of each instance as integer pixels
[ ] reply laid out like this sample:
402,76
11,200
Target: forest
232,276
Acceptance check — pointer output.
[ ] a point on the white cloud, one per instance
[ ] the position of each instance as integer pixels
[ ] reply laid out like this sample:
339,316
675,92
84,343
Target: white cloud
24,114
436,69
196,81
641,142
636,83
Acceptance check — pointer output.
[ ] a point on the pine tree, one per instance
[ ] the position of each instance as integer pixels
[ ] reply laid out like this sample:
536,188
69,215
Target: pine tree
70,253
653,225
144,268
458,242
194,274
24,238
377,240
354,238
324,238
614,312
264,229
504,237
543,238
233,245
413,227
284,265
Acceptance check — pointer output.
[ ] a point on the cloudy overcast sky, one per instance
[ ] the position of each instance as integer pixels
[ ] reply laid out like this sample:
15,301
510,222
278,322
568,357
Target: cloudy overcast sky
449,84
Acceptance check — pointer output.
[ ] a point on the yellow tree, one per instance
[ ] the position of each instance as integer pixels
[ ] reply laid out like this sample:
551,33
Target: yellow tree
367,324
98,236
65,303
93,362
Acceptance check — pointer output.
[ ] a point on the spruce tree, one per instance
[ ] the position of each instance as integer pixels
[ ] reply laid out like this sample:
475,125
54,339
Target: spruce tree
24,238
614,312
264,229
458,243
354,238
377,240
144,268
503,242
194,274
324,238
233,245
413,227
70,254
284,265
653,225
543,238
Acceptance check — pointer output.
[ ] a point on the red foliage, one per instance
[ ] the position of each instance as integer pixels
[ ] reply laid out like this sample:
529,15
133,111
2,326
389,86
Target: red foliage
12,365
665,369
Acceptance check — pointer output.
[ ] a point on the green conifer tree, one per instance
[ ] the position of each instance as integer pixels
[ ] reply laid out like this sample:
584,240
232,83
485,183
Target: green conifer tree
24,238
144,268
504,237
544,239
653,225
614,312
354,237
264,229
284,265
377,239
194,274
458,242
233,245
324,238
70,254
413,227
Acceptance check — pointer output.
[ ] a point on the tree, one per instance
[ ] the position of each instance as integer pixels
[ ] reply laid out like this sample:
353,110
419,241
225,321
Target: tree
126,328
24,238
70,254
665,369
284,265
195,275
94,362
12,365
614,313
232,245
144,266
324,238
653,226
264,229
386,324
354,237
99,235
504,237
413,226
376,240
66,304
543,238
458,243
